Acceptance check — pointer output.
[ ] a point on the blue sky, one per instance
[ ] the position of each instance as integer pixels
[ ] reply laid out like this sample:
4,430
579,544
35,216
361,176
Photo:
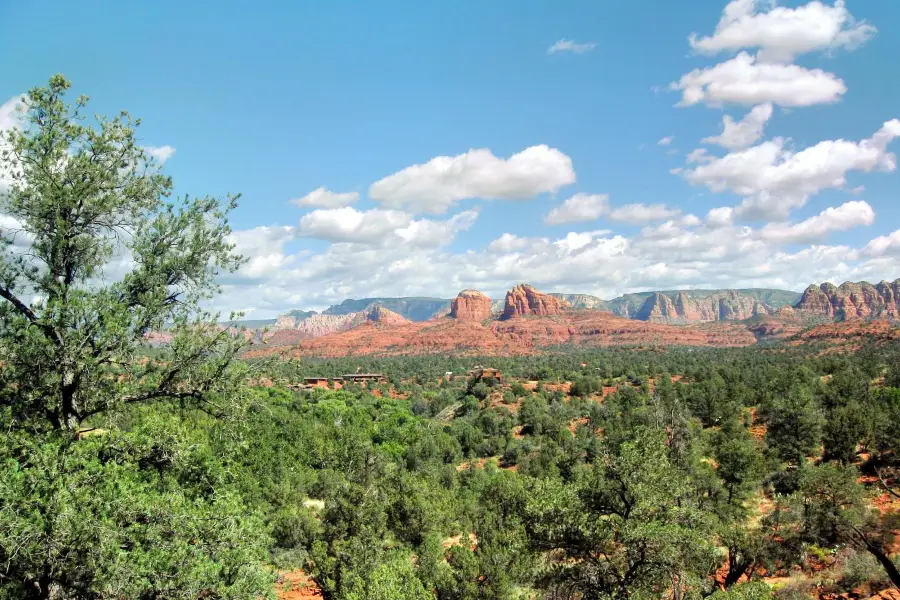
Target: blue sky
277,101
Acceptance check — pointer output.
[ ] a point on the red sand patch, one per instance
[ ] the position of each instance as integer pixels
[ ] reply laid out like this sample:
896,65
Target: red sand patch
457,540
296,585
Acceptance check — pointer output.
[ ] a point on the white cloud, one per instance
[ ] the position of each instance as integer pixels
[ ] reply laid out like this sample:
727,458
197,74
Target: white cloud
816,229
509,243
324,198
774,180
884,245
575,241
387,229
426,233
570,46
350,225
11,117
689,220
434,186
745,80
160,153
578,208
666,141
782,33
720,217
263,247
698,155
743,133
640,214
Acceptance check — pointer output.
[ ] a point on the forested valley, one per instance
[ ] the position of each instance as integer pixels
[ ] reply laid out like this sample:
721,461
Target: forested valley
187,472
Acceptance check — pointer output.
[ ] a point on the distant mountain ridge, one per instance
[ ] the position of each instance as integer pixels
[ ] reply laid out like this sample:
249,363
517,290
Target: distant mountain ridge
826,301
414,308
424,308
528,320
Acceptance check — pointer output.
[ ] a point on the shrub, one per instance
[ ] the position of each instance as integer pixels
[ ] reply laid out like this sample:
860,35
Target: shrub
860,569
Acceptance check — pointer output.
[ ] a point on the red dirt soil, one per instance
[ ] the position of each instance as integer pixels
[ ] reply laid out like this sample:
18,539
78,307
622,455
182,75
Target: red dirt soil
297,586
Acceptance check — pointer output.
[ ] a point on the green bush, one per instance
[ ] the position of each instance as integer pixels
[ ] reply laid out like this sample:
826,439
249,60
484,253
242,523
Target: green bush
859,569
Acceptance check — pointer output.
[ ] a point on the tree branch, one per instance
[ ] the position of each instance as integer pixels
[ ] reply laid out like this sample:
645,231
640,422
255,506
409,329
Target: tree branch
20,306
884,484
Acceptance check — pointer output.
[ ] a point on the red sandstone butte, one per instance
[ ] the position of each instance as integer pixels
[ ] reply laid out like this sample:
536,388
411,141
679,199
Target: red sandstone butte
524,300
470,305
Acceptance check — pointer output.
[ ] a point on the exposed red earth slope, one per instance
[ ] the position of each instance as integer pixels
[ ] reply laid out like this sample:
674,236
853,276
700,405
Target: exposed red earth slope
849,335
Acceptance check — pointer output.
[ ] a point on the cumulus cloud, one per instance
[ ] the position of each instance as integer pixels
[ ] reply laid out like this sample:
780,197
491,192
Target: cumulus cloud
775,180
160,153
698,155
11,113
816,229
436,185
427,233
746,132
263,247
666,141
11,117
350,225
383,228
689,220
580,207
570,46
885,245
508,243
640,214
720,217
746,80
782,33
324,198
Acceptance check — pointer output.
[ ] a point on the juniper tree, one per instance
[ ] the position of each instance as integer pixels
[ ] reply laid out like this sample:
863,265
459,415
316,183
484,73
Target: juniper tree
95,254
83,200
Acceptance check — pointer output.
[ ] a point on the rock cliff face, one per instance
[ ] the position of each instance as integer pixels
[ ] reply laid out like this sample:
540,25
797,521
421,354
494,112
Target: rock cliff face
523,300
583,301
289,331
412,308
723,306
851,301
471,305
379,314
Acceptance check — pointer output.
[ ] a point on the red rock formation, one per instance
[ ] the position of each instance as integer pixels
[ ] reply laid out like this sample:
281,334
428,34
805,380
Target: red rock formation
851,301
515,336
471,305
524,300
723,306
379,314
316,325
